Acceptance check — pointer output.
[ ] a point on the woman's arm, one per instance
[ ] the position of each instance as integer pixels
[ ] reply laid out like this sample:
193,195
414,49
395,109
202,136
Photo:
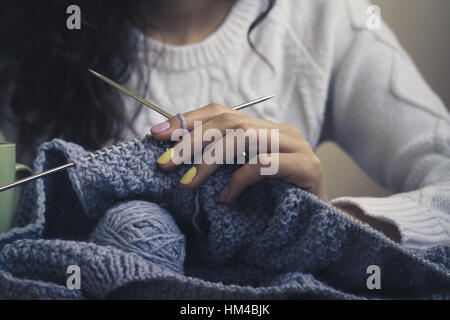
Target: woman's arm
387,118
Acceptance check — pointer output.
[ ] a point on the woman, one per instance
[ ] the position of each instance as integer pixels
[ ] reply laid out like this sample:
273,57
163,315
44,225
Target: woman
333,78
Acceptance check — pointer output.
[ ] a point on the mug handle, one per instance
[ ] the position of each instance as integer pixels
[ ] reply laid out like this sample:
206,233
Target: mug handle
23,170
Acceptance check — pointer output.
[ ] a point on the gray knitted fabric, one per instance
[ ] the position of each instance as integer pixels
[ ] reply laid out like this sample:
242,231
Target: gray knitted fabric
275,241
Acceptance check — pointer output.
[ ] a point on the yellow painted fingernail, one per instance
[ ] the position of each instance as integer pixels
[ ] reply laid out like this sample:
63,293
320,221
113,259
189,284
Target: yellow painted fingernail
166,157
189,176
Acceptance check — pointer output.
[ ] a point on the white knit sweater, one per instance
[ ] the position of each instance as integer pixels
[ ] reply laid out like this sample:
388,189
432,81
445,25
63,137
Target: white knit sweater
334,79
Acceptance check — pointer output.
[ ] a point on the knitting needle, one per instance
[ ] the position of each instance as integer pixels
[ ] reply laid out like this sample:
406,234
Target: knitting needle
44,174
131,94
158,109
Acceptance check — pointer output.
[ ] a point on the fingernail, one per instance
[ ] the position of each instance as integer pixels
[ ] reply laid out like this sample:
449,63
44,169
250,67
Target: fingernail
160,128
189,176
224,194
166,157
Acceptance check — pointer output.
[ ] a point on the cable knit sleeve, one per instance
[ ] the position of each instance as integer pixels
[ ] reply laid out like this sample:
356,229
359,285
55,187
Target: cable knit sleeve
388,119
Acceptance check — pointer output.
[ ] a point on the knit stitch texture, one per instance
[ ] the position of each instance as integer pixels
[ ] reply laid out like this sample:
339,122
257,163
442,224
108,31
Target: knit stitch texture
275,241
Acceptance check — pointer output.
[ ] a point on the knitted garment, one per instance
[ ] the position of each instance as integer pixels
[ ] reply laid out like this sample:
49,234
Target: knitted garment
274,241
334,79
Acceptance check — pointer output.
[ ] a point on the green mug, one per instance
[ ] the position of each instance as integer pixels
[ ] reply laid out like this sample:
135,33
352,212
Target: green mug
8,171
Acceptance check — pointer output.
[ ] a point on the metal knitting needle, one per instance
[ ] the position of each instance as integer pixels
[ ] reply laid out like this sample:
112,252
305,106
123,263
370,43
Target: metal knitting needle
251,103
131,94
158,109
51,171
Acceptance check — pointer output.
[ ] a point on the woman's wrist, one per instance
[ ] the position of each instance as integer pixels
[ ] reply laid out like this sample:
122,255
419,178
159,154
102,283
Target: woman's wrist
388,229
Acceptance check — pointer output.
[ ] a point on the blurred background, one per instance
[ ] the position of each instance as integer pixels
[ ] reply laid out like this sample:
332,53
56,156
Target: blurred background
423,27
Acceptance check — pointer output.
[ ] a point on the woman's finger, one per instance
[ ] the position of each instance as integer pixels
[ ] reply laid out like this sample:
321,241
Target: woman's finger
164,130
228,150
301,170
247,134
230,138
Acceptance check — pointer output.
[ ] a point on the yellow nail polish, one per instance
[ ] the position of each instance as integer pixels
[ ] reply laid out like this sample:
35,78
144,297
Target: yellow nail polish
189,176
166,157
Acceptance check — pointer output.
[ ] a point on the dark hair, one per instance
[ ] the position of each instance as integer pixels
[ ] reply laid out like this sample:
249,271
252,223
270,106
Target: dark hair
43,68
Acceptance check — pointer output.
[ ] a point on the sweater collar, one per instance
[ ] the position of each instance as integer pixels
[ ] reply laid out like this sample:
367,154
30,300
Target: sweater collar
232,33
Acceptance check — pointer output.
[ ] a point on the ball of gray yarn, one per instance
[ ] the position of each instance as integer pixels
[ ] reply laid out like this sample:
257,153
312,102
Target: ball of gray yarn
144,228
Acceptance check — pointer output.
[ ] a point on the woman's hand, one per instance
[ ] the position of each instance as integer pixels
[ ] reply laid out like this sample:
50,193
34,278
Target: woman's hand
297,163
